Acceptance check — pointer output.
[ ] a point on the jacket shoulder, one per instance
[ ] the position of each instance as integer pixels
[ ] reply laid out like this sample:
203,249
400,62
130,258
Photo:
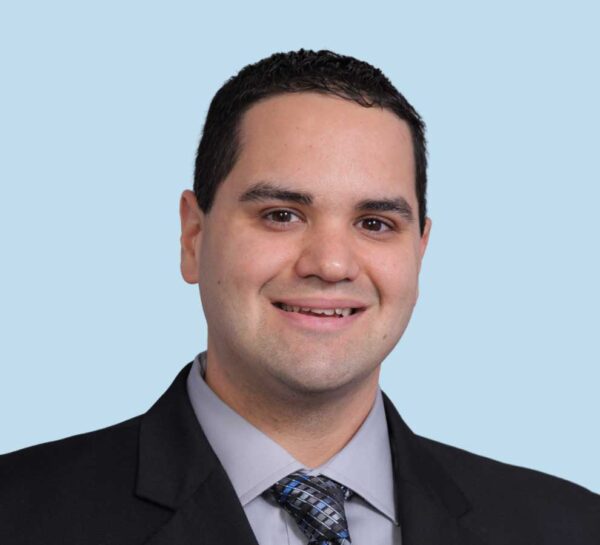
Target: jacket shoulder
506,499
81,485
67,459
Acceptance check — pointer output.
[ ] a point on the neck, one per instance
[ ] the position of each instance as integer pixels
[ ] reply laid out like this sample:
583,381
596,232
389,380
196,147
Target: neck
312,427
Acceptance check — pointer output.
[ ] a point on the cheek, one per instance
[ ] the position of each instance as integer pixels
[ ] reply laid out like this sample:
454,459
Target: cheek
239,262
397,281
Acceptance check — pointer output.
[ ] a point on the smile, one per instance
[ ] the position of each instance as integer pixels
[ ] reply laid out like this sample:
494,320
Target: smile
324,312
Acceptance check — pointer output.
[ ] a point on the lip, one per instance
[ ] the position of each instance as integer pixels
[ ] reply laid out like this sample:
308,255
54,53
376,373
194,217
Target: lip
320,324
321,303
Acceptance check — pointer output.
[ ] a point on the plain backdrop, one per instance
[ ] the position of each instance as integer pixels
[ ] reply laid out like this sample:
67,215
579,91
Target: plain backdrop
101,108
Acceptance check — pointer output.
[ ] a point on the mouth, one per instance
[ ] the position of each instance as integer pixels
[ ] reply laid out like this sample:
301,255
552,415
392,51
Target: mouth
333,312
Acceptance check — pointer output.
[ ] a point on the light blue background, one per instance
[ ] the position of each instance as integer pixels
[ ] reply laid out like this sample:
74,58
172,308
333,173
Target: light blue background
101,107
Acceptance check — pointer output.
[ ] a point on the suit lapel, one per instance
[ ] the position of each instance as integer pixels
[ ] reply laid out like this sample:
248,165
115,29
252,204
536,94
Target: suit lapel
424,522
211,516
178,470
429,504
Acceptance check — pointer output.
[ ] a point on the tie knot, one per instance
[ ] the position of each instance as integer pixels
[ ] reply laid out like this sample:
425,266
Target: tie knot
317,504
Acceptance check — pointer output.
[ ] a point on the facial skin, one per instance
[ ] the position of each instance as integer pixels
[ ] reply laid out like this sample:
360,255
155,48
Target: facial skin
323,244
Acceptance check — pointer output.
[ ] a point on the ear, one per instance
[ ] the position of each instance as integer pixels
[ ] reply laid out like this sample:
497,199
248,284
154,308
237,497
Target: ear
424,240
192,224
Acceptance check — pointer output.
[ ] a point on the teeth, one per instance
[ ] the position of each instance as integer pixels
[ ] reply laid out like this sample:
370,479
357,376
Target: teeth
343,312
326,311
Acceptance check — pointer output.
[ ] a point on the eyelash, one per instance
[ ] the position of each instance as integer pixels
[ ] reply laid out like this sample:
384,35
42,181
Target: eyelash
389,226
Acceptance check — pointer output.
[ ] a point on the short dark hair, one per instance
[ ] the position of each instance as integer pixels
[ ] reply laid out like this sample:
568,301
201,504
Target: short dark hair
297,71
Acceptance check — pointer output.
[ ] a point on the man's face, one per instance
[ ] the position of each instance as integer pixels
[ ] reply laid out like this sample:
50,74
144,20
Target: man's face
320,213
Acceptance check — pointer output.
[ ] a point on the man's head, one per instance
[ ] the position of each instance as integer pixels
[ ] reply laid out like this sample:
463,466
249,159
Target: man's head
309,252
297,71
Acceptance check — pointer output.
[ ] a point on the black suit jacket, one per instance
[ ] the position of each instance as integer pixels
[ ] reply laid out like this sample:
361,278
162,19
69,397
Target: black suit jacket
154,480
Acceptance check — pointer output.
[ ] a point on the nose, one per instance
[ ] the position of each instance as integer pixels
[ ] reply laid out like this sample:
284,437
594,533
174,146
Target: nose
328,253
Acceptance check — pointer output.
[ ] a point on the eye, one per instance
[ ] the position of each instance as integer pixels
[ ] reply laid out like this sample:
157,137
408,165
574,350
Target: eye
281,216
375,225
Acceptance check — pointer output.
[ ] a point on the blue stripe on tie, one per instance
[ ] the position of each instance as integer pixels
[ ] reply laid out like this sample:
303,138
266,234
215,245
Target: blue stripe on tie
289,487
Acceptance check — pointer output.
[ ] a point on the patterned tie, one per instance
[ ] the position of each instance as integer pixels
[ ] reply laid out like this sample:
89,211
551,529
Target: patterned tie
317,505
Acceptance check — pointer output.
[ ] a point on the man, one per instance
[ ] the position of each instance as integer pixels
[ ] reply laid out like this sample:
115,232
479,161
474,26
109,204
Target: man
305,232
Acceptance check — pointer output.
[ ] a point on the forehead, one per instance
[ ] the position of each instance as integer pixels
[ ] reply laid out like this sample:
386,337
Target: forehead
325,144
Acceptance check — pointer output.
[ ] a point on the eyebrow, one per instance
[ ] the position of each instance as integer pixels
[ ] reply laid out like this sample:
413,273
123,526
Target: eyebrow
267,191
398,205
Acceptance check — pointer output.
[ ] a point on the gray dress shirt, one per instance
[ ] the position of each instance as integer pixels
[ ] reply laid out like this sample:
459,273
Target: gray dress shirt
254,462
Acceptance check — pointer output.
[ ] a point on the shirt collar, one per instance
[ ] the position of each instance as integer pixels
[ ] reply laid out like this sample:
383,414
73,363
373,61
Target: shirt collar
365,464
254,462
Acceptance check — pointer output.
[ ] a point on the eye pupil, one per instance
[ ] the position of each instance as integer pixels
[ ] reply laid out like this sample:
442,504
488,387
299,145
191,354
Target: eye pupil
282,216
372,224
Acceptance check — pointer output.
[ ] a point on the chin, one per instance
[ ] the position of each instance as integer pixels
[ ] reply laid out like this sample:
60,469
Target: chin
321,375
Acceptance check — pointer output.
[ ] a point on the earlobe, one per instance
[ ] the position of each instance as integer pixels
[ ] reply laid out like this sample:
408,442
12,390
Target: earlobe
192,220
